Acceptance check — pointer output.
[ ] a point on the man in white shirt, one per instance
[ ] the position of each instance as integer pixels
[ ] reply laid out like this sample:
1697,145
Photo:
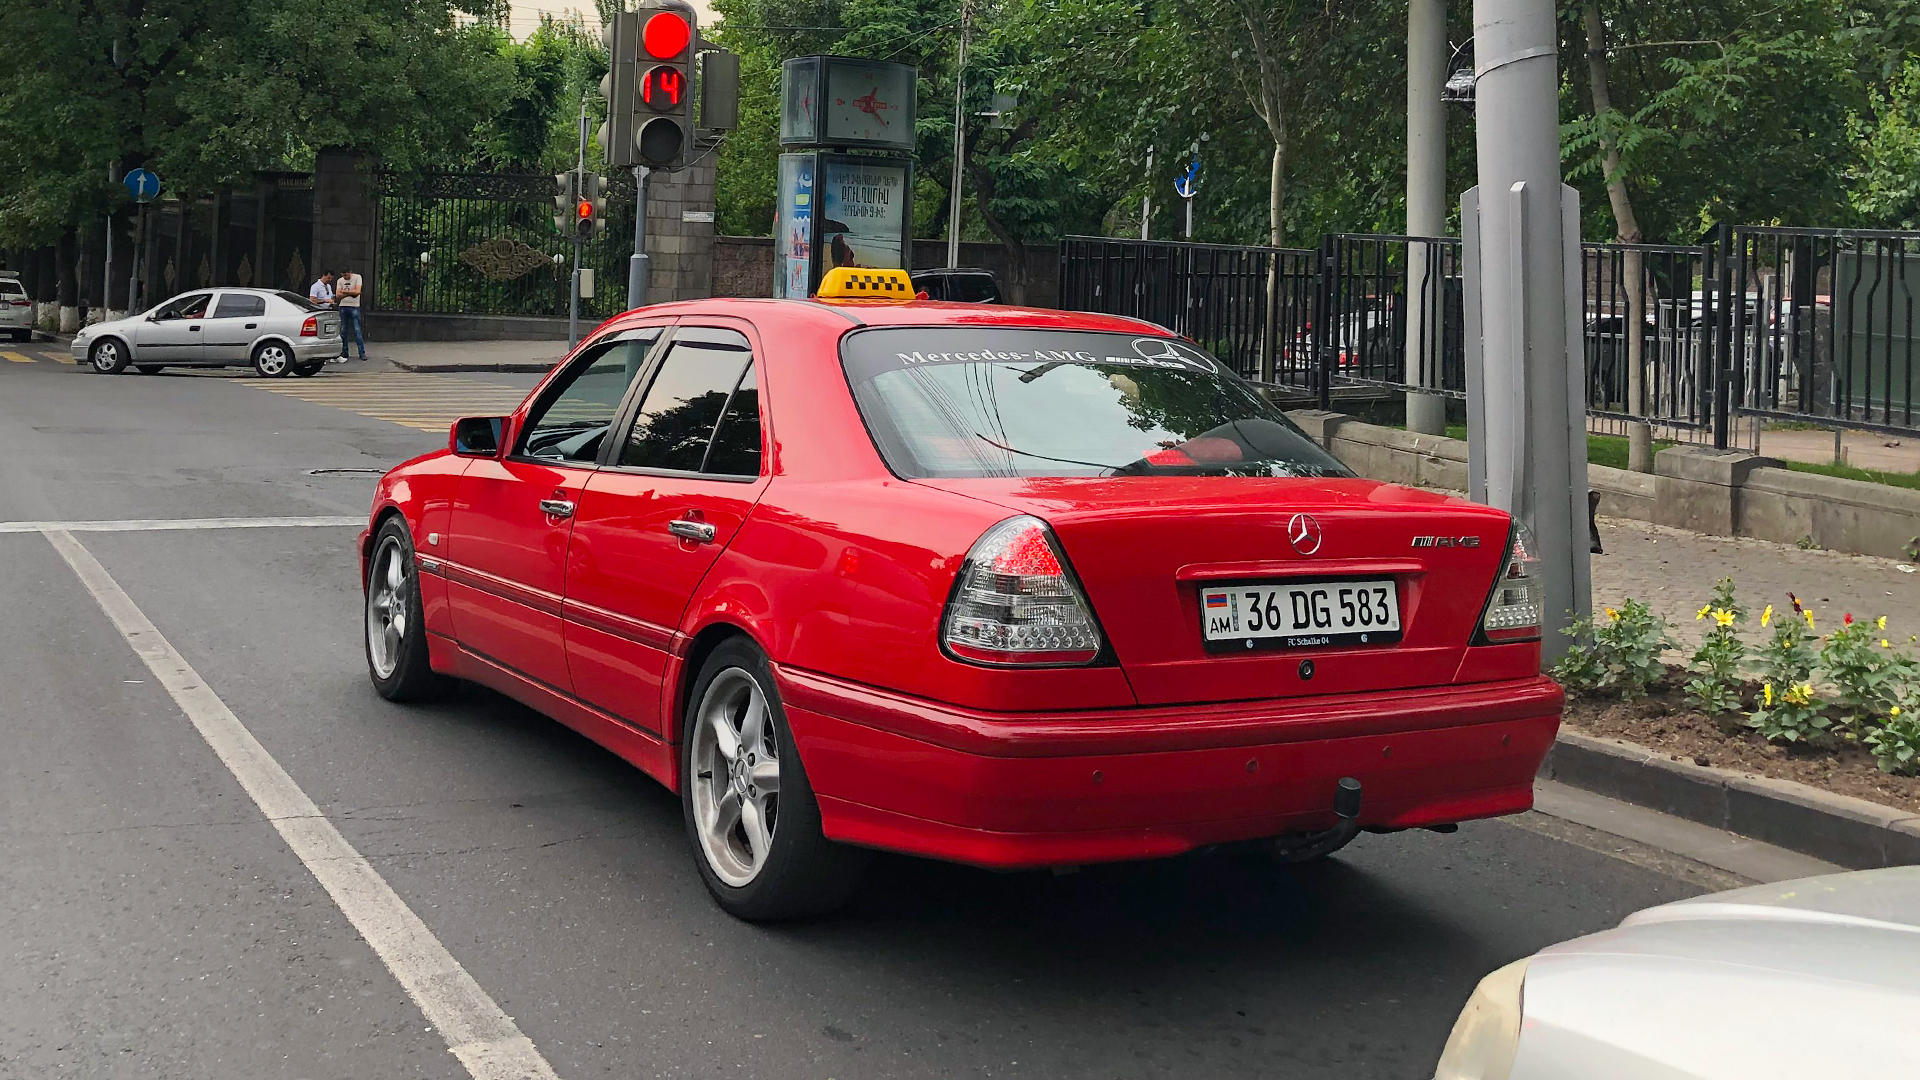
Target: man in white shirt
321,291
347,295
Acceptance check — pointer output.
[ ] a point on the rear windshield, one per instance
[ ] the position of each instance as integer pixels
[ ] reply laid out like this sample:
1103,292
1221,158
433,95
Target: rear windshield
299,301
949,401
9,287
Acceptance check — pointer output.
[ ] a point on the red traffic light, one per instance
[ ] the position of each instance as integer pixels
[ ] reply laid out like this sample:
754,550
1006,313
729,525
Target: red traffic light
666,35
584,210
663,88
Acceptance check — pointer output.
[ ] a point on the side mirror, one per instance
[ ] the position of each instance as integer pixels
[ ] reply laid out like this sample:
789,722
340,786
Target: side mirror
477,436
154,317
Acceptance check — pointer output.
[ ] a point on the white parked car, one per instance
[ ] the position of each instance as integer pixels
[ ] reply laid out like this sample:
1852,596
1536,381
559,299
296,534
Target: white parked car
16,307
1818,977
279,333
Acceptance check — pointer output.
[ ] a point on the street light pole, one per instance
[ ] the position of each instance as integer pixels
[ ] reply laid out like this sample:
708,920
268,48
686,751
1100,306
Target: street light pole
579,188
959,139
1526,415
1426,209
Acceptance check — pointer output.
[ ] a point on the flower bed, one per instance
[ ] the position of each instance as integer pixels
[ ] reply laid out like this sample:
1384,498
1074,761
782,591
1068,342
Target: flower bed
1839,710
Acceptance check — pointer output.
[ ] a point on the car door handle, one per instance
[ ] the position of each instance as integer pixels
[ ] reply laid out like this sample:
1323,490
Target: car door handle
193,329
253,326
700,532
560,508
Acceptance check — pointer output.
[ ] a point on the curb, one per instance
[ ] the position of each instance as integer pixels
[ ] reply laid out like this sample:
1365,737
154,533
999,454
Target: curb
1853,833
502,365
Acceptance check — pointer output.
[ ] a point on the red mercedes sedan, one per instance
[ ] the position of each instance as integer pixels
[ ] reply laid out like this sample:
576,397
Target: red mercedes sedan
1013,588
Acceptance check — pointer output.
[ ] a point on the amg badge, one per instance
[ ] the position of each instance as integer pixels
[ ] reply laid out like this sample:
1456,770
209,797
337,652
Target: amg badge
1446,541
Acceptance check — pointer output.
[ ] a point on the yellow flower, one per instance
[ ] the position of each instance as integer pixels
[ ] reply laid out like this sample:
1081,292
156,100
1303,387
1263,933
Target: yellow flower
1880,623
1800,694
1809,614
1895,711
1611,614
1766,693
1767,615
1884,645
1724,618
1702,613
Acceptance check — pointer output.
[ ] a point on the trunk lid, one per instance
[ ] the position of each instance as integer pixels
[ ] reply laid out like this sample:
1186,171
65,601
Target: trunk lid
1145,549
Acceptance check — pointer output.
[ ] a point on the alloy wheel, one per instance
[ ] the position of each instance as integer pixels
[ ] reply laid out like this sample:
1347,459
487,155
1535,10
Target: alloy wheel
106,356
389,601
736,776
274,360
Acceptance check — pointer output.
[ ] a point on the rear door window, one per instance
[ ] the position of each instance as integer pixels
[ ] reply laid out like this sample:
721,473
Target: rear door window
950,401
239,306
674,426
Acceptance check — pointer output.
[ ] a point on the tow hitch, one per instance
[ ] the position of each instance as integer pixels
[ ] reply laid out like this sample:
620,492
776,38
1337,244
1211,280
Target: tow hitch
1346,806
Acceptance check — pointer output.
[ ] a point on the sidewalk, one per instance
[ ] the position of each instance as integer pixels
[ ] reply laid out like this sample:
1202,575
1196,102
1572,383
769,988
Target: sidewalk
470,355
1861,449
1672,572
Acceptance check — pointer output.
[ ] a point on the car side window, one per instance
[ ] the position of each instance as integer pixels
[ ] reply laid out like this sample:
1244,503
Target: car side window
239,306
191,306
571,420
736,443
674,426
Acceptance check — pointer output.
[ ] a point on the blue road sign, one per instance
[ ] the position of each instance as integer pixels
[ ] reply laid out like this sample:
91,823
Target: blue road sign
1189,181
143,184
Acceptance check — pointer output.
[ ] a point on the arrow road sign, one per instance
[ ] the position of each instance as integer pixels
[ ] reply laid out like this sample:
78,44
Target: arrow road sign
1189,181
143,184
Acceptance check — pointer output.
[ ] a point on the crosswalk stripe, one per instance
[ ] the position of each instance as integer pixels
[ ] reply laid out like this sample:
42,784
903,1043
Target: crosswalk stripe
423,402
17,358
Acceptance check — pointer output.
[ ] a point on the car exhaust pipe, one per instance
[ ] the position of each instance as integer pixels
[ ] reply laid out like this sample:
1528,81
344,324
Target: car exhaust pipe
1346,807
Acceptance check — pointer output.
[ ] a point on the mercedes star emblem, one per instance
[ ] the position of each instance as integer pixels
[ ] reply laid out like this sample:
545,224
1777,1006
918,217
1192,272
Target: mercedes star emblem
1303,531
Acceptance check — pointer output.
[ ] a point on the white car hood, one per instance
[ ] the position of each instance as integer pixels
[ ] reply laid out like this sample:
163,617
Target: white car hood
1815,977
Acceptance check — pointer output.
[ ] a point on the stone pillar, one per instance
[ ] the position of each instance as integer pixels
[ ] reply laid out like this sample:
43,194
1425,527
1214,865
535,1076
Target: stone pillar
344,218
680,250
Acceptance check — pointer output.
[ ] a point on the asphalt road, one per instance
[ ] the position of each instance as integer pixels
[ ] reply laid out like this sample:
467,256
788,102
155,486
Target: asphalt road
154,923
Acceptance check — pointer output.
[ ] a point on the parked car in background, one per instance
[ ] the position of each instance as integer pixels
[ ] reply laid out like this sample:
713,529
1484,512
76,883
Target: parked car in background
964,286
279,333
1818,977
16,307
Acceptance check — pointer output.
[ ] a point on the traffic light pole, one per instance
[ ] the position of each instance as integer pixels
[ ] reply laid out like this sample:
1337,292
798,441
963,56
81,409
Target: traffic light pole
637,264
573,306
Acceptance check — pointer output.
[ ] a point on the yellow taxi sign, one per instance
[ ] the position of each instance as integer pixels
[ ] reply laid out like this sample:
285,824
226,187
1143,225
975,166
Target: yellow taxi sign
860,283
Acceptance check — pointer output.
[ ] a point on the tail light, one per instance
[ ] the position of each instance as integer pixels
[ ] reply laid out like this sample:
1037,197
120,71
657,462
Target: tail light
1016,603
310,328
20,303
1514,606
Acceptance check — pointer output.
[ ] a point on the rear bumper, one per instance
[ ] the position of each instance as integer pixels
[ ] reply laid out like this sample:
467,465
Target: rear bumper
316,348
1012,791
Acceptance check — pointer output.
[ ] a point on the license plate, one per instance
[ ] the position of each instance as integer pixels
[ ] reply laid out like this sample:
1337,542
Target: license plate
1301,614
330,325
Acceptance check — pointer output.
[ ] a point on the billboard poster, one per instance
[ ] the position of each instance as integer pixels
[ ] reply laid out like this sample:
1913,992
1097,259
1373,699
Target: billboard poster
863,212
793,235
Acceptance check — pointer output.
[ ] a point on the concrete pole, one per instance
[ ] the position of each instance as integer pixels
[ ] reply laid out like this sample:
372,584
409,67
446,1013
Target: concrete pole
637,262
1426,206
1530,413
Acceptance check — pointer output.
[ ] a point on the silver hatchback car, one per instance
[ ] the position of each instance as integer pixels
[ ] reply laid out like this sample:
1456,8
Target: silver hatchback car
279,333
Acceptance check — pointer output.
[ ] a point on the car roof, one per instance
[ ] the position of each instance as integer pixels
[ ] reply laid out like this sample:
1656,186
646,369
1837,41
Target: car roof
849,314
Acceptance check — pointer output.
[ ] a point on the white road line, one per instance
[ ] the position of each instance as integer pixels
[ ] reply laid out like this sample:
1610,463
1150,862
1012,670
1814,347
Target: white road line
177,524
480,1034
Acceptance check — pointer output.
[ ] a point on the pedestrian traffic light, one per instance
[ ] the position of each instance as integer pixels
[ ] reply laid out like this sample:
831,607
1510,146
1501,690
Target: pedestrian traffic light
664,114
590,207
621,34
563,203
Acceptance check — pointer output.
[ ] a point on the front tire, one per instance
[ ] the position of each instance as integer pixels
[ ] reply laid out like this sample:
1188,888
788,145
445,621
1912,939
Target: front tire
396,626
748,807
108,356
272,360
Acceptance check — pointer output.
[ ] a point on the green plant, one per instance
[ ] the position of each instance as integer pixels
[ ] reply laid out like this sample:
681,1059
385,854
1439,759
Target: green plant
1912,548
1788,711
1866,671
1806,543
1895,742
1619,655
1715,665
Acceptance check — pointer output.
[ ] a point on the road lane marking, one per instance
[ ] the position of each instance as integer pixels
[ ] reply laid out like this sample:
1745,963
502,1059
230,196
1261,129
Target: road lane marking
424,402
179,524
17,358
478,1032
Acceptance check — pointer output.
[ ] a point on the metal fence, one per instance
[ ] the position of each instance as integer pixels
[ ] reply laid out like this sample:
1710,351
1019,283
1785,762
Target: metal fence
1665,373
485,244
1391,311
1824,328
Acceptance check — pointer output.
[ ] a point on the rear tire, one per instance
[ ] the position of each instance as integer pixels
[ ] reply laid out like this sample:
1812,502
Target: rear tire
149,369
23,335
308,371
396,624
108,356
751,816
272,360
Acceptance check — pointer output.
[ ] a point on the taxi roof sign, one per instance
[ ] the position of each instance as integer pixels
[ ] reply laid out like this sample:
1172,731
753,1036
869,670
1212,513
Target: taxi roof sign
860,283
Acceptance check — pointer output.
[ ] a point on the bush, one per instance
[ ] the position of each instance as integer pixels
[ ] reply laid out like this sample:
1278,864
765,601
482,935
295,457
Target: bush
1895,742
1870,676
1788,710
1620,655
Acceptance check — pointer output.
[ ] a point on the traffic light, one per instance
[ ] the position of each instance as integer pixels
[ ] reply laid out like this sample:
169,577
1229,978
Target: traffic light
590,207
621,34
664,90
564,203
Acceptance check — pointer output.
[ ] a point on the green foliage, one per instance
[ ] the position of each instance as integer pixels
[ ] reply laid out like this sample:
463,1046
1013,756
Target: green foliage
1618,655
1788,711
1868,674
1895,742
1715,664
